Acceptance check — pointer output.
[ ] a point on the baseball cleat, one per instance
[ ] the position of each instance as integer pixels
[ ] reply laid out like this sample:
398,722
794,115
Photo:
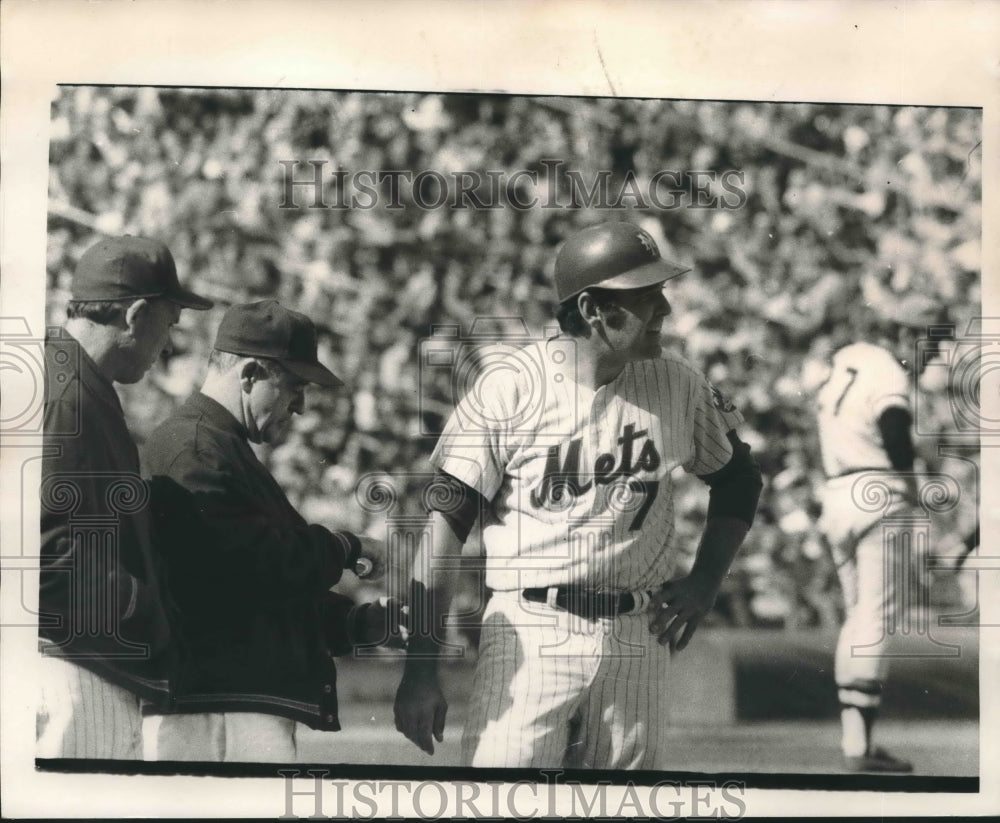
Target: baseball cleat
877,760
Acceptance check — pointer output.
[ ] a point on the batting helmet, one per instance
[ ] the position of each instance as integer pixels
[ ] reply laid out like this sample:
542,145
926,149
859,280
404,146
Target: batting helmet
610,256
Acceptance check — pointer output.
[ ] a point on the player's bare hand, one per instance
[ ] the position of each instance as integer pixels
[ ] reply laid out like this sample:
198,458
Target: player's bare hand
372,560
382,622
420,710
677,609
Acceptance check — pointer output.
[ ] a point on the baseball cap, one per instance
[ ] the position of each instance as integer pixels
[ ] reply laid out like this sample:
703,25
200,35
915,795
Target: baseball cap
127,267
615,255
268,329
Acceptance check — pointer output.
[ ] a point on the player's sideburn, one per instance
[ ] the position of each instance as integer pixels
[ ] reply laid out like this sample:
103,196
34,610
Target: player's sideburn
644,311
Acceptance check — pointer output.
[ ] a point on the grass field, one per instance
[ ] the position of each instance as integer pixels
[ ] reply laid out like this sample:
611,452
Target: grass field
746,702
945,748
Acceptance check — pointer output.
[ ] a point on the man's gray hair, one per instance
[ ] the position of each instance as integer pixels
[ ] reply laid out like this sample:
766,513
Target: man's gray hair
101,312
223,361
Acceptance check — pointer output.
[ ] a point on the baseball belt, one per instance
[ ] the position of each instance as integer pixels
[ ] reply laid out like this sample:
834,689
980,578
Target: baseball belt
589,603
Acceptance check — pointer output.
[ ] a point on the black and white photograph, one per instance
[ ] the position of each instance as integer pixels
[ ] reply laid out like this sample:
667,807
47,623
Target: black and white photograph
421,449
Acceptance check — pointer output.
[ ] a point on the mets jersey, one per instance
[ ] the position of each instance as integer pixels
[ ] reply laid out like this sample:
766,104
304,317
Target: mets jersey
579,479
864,381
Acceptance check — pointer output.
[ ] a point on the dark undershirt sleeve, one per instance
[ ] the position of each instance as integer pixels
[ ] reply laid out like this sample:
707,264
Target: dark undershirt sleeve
459,503
735,488
894,426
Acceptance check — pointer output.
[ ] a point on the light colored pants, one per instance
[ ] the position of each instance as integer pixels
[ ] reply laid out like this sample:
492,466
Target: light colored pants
555,690
877,563
80,714
229,737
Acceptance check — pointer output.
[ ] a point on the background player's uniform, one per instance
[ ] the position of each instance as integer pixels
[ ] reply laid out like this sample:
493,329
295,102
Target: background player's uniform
581,495
864,381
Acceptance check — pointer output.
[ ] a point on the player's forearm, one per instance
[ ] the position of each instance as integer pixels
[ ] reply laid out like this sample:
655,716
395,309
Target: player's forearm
719,544
431,592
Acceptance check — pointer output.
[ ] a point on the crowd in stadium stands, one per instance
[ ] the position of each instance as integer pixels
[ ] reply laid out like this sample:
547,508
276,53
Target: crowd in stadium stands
827,208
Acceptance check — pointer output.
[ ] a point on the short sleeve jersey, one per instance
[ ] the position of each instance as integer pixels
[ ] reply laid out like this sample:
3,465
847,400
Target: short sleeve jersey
578,480
864,381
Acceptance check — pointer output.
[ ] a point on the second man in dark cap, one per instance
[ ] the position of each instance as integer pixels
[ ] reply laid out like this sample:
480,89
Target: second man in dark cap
250,576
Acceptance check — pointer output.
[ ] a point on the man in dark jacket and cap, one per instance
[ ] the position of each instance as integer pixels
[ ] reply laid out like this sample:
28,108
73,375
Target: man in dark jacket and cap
250,576
104,619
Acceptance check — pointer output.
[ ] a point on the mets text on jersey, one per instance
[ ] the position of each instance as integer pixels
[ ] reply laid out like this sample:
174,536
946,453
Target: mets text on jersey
562,471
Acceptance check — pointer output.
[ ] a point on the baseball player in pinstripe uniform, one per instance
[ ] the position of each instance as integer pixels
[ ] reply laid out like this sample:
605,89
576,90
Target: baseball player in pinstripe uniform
564,455
104,627
864,416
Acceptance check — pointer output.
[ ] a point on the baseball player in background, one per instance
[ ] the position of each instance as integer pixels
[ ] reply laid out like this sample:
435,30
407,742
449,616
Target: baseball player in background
104,627
564,458
864,416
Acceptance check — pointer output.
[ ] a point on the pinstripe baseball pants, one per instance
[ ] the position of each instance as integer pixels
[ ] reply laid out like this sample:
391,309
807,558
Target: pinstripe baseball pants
552,689
80,714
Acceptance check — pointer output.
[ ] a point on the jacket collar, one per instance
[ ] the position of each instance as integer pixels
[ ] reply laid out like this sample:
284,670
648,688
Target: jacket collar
215,413
88,372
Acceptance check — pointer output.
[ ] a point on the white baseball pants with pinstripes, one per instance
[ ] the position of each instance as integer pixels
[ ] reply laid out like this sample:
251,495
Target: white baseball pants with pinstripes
80,714
552,690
